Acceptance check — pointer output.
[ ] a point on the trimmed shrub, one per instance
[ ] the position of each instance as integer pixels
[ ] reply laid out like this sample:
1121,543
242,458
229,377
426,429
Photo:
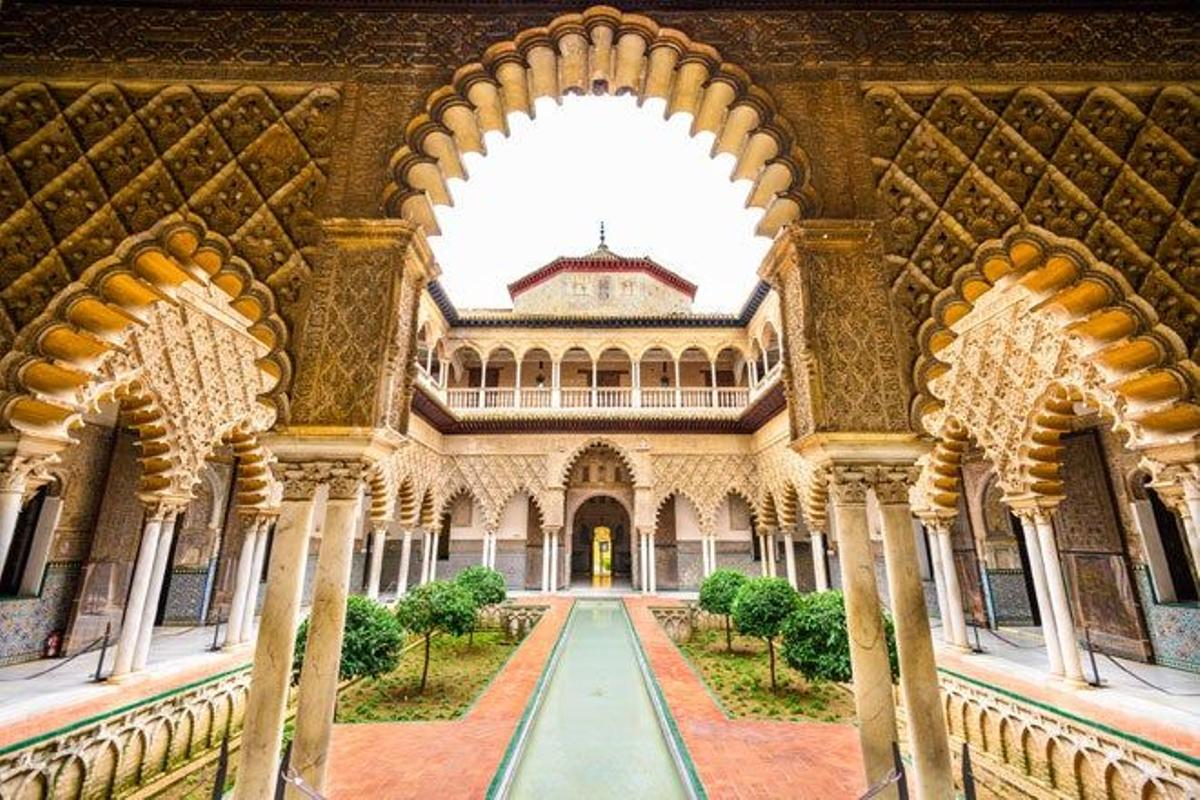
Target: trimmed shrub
759,609
716,597
371,643
816,641
437,607
485,585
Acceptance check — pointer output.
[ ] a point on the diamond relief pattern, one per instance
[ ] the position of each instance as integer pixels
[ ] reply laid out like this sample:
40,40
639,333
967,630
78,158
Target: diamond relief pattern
1114,169
81,169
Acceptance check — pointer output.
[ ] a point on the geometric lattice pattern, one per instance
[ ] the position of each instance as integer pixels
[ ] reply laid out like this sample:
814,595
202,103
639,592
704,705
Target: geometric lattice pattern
1116,170
84,167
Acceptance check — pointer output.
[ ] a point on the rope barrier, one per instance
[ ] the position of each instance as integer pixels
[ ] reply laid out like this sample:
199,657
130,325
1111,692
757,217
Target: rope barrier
91,648
1142,680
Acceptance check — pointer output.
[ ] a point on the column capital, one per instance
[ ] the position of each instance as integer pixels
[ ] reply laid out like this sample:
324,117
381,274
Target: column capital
1037,508
848,484
163,508
892,482
939,523
301,479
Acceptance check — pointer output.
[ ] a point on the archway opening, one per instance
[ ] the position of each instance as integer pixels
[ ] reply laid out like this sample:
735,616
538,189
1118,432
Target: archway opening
600,542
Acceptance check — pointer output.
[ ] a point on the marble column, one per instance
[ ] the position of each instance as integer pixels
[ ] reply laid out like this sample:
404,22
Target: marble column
925,722
712,554
241,584
433,554
139,588
326,627
1057,589
957,620
256,570
1041,590
705,566
426,543
939,582
405,563
820,565
554,566
763,567
772,571
11,500
1191,520
652,556
873,698
644,566
789,556
162,554
375,569
545,560
270,676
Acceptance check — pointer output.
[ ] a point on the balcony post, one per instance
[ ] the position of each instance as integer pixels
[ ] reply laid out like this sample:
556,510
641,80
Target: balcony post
483,382
517,388
595,379
678,387
556,384
713,371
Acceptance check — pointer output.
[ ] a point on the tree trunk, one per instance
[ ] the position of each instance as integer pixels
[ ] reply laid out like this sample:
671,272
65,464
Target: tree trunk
771,650
425,669
728,636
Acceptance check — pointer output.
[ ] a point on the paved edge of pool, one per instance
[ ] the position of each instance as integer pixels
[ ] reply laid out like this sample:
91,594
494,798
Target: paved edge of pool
666,720
516,745
690,778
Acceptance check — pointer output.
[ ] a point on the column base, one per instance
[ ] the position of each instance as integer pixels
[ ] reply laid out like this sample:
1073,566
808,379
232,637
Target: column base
237,648
136,676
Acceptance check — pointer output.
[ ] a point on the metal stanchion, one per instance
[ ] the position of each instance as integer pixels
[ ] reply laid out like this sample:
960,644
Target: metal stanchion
968,773
284,764
902,778
1087,640
103,651
218,790
216,631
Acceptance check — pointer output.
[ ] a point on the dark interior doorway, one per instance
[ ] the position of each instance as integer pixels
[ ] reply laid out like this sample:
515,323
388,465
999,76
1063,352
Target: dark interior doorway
600,511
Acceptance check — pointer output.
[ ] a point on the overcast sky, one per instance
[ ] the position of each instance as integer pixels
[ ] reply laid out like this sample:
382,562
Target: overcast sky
544,190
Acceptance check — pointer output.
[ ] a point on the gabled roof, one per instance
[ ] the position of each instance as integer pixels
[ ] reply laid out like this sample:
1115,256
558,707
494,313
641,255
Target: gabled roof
602,260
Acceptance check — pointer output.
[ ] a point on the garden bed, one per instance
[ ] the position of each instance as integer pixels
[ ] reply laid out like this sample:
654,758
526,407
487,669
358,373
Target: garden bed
458,674
741,681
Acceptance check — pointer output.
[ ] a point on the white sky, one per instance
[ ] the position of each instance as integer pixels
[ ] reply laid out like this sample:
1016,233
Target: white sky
544,190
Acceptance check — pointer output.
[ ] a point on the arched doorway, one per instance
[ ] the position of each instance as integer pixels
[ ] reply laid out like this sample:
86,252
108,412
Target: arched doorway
600,542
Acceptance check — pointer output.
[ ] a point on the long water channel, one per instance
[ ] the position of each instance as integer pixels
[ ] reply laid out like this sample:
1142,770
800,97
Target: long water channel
597,731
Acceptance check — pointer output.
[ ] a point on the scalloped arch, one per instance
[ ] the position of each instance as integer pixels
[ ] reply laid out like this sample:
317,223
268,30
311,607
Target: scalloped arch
564,476
56,359
602,51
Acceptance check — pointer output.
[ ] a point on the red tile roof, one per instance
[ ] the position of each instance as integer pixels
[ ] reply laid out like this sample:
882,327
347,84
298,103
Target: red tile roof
602,260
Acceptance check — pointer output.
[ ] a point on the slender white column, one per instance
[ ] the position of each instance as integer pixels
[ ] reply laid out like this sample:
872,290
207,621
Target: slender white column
405,560
820,567
789,557
485,552
39,551
143,573
644,562
1191,520
954,605
256,571
554,568
546,560
771,567
712,554
162,553
1067,640
241,584
426,542
317,694
705,567
762,549
378,541
266,703
10,510
653,563
939,583
433,557
1041,591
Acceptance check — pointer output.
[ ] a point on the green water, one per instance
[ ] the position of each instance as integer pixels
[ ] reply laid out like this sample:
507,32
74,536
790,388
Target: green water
596,734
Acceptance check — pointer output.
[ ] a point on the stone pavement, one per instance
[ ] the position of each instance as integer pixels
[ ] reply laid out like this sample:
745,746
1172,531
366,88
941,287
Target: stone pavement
30,706
747,758
450,759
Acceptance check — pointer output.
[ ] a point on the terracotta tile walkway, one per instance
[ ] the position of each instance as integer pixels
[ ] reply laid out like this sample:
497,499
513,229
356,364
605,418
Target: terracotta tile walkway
747,758
444,759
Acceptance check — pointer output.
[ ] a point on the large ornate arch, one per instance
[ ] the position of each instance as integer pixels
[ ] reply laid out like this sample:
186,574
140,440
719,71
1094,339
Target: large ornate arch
560,476
601,51
174,327
1036,322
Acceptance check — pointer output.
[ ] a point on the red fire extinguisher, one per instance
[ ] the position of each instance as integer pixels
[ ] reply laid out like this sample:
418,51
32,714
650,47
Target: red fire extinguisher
53,646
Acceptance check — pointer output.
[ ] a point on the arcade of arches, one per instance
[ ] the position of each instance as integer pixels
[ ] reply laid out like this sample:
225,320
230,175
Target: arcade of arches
966,388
